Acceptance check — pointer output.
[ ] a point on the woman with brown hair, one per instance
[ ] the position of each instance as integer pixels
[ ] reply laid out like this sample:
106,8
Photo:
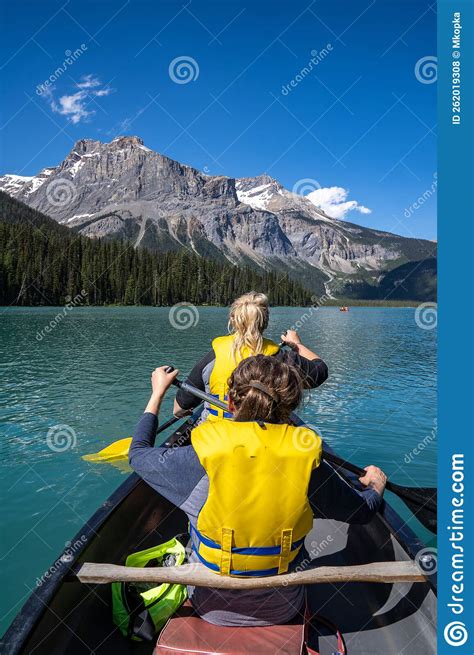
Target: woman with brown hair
248,320
243,484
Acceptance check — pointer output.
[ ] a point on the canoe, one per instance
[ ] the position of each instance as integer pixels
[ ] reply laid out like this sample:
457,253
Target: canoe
63,616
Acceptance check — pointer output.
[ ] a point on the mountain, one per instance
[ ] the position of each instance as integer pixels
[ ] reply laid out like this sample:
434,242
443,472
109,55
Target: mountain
123,189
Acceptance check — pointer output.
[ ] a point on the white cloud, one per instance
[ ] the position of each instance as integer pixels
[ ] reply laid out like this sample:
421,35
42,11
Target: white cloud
88,82
333,201
75,105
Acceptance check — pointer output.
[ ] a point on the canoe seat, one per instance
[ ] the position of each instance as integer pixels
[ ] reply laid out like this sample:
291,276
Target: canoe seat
186,632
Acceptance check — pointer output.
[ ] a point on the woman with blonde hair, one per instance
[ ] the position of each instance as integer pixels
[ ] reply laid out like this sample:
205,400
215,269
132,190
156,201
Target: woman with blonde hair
248,320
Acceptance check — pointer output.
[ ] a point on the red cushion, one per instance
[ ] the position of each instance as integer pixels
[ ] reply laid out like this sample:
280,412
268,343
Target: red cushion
185,632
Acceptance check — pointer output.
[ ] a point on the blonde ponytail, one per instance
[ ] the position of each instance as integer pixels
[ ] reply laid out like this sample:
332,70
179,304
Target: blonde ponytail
248,318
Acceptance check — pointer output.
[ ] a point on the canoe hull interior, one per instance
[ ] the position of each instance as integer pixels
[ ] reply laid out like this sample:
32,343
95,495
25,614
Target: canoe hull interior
64,616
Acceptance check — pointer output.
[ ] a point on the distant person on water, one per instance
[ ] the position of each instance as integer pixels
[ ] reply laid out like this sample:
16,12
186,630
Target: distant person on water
248,320
250,487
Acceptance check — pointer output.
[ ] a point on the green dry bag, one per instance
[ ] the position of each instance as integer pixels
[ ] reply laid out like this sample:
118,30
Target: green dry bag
140,610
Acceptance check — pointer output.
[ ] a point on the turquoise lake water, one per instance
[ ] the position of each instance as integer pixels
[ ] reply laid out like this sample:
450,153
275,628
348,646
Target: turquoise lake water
90,375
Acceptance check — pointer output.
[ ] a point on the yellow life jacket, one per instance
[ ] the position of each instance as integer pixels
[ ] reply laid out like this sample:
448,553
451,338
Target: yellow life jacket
224,365
257,512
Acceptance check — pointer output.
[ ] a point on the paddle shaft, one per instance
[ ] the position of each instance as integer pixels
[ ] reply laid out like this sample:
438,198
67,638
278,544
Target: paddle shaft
221,405
168,423
200,394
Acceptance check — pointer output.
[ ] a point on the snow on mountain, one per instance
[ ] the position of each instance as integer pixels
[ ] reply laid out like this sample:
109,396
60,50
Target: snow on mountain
124,189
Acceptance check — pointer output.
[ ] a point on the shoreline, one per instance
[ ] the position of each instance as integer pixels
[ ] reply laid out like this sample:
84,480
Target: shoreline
333,304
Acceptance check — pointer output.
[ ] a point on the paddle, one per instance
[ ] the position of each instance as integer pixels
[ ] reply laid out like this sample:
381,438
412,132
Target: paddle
421,501
119,449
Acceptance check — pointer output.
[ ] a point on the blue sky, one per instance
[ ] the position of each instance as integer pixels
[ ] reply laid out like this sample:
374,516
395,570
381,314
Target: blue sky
360,124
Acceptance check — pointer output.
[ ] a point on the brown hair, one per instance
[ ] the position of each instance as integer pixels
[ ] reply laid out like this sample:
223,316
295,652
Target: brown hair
248,318
263,388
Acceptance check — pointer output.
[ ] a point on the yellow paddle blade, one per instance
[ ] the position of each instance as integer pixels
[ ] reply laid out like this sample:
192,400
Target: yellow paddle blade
117,450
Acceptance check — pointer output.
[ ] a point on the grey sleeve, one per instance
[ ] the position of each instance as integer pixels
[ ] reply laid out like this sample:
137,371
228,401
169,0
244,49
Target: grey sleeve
172,472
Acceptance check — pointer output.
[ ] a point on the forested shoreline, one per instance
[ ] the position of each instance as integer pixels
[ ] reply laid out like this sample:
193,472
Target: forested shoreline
43,263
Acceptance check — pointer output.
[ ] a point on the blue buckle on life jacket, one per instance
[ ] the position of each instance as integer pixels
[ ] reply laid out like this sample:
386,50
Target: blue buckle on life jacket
214,411
256,550
257,574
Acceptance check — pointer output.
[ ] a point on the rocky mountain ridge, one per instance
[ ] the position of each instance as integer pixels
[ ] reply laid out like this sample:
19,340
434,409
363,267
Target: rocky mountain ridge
123,189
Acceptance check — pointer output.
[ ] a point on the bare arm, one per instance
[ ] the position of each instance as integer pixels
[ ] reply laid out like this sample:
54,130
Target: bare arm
160,383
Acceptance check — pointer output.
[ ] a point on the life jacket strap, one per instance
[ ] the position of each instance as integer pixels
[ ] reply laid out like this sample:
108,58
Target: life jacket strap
285,550
253,550
226,550
218,412
224,567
